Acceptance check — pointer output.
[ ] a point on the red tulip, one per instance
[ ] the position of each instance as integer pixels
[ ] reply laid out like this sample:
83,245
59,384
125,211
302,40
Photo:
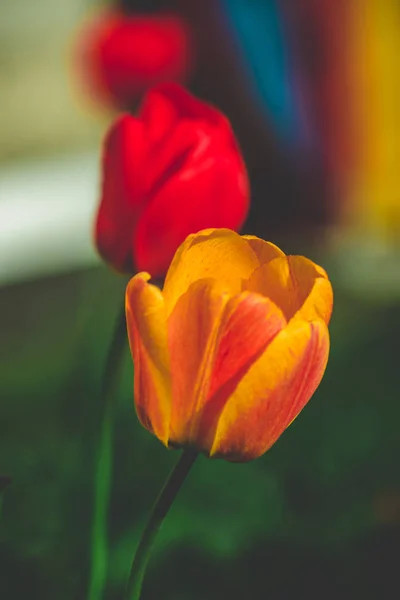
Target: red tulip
122,56
172,170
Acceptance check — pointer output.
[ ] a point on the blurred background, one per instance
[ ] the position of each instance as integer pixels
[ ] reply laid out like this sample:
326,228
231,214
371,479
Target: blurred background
312,89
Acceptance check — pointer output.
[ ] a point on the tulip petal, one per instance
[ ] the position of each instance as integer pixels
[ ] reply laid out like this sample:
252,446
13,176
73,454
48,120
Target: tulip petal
195,179
171,103
192,334
147,332
319,302
181,128
273,392
265,251
122,194
298,286
218,253
226,336
248,325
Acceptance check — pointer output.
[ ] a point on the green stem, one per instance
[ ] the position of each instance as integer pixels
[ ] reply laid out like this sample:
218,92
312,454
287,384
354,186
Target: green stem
160,510
103,460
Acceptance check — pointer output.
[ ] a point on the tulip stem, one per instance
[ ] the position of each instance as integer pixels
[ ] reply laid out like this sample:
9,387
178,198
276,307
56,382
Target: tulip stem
157,516
103,459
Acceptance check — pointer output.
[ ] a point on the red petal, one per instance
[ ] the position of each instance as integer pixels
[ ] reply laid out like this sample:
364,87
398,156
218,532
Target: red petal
205,186
122,197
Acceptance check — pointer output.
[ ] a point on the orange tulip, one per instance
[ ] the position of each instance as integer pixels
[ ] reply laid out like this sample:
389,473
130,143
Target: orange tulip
232,348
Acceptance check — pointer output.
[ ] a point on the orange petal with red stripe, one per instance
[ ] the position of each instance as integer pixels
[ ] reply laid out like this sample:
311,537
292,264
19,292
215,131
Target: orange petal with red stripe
147,331
192,332
249,324
213,340
273,392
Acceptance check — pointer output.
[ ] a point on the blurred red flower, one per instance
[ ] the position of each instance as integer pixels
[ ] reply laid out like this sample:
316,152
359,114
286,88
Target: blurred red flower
174,169
121,56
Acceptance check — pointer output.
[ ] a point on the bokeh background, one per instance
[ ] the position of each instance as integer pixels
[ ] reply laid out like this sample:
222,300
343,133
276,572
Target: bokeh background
312,89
